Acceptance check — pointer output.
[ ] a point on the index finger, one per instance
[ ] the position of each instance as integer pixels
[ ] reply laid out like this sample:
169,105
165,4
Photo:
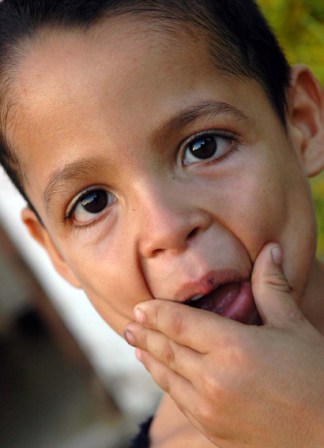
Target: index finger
191,327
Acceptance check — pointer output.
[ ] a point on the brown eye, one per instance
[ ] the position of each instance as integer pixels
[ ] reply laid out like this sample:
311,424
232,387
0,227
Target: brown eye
207,147
89,206
95,201
203,148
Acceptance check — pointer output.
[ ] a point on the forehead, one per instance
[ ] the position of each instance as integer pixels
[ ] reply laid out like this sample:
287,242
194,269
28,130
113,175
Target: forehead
62,69
127,46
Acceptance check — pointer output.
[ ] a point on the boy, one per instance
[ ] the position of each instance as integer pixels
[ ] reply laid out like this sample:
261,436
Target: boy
163,148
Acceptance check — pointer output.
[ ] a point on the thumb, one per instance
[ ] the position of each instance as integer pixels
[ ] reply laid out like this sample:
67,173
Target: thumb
274,298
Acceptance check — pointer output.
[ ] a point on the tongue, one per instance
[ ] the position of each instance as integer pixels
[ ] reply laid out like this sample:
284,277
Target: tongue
232,300
220,299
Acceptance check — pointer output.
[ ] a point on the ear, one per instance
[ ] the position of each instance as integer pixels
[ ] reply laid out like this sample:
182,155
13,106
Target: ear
38,231
306,119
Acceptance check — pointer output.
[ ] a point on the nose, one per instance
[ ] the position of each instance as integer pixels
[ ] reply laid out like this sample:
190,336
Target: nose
169,221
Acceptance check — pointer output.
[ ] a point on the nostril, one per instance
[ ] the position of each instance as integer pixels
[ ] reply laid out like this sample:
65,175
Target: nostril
193,233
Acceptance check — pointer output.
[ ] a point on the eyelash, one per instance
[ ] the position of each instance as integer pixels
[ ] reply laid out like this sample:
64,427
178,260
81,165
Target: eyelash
68,217
219,133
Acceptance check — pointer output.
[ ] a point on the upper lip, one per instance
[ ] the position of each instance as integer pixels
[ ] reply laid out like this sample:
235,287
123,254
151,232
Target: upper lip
207,283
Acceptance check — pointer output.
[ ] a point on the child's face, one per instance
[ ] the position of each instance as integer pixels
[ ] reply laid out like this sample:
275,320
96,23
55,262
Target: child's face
154,174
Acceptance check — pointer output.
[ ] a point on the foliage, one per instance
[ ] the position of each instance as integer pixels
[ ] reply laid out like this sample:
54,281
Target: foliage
318,190
299,26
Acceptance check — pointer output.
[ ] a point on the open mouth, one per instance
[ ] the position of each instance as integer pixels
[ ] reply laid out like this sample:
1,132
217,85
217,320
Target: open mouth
232,300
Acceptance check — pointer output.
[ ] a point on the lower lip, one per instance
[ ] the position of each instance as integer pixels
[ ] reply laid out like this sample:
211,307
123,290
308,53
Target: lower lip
235,301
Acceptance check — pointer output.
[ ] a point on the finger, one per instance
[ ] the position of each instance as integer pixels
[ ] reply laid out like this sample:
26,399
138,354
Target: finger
275,299
193,328
179,389
180,359
199,411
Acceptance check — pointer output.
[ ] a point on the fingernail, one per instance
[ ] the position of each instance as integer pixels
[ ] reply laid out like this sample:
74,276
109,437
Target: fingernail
139,315
276,254
129,336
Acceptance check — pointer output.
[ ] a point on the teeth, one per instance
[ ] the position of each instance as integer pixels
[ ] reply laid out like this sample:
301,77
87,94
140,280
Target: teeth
197,297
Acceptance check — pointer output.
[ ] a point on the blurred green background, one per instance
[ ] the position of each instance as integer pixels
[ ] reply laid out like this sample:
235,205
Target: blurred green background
299,26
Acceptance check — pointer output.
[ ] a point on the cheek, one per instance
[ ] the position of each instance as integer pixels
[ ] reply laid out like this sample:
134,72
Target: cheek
113,299
278,208
299,242
254,208
264,203
111,281
115,316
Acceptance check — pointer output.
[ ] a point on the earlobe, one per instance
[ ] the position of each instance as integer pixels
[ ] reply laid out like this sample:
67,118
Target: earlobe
306,119
40,234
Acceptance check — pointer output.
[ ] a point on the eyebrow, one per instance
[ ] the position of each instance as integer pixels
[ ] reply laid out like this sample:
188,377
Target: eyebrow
82,168
71,171
192,113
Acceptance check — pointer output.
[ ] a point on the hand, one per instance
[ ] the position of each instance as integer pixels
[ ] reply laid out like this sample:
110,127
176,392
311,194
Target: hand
241,386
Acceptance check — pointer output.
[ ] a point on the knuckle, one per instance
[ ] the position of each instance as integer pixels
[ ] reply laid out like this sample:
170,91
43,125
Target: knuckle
275,282
211,385
220,391
237,363
177,323
168,353
206,414
157,316
161,378
237,352
142,340
296,316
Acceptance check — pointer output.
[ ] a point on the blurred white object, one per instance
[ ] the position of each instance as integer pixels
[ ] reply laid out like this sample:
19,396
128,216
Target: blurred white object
113,360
